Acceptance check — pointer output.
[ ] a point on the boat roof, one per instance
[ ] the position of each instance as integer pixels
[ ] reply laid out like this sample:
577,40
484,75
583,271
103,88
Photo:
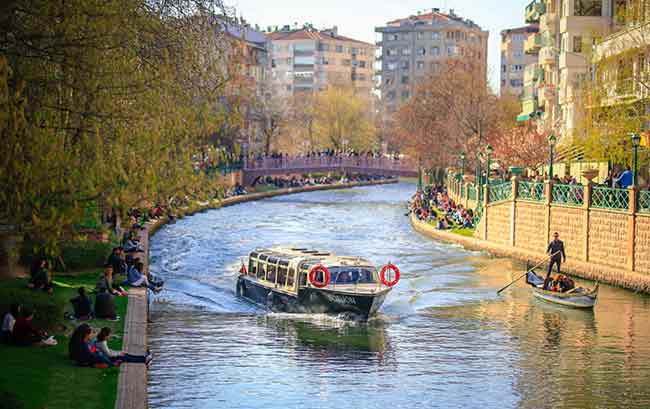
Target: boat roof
312,256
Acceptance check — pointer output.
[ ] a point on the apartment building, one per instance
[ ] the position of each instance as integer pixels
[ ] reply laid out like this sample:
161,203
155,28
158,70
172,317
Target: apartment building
310,60
568,33
517,52
414,47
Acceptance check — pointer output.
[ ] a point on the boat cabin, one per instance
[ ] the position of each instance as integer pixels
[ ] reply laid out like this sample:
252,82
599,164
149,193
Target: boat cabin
287,269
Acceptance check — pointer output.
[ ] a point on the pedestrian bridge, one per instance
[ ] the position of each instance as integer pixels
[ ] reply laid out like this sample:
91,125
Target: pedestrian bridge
289,165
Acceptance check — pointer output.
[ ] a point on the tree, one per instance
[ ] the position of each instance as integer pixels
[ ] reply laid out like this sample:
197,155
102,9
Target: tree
342,119
104,102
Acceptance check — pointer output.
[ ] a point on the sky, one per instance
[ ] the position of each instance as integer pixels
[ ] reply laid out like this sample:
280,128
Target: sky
358,18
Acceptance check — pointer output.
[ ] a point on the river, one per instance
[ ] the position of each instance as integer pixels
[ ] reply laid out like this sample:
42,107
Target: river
443,338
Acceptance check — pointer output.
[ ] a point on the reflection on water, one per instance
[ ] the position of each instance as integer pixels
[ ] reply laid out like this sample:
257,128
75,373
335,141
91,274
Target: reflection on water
443,338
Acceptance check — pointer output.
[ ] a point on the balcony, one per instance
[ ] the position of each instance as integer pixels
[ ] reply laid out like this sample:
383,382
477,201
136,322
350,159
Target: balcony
534,11
533,43
533,74
547,23
572,60
592,25
548,55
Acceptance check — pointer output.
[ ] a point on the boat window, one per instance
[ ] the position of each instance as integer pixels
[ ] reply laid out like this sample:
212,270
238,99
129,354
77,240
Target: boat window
284,262
252,266
303,278
253,254
263,257
291,277
352,275
270,273
261,270
272,260
282,275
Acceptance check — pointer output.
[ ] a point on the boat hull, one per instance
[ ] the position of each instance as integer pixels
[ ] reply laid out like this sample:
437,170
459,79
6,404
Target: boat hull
587,300
312,300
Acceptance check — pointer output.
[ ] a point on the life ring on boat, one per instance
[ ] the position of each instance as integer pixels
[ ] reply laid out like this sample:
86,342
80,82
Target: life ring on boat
312,276
382,274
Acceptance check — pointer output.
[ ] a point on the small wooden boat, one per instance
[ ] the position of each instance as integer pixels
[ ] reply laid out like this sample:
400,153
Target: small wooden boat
578,297
301,280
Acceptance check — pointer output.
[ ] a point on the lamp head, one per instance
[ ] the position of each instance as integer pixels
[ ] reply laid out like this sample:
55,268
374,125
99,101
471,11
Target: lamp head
489,149
636,140
462,156
552,140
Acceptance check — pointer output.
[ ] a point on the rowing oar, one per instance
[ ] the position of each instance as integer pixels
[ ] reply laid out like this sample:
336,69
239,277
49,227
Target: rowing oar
524,275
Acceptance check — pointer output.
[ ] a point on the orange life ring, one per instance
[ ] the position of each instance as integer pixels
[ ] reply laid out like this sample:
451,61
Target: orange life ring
382,274
312,276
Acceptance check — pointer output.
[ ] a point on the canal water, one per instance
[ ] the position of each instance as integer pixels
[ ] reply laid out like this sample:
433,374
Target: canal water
443,339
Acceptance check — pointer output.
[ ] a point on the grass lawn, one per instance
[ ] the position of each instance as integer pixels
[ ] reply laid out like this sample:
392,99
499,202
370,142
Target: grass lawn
44,377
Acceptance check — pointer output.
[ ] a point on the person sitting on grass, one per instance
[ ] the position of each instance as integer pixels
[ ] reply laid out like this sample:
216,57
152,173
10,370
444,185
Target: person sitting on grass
8,322
26,334
101,342
116,261
41,278
83,351
82,305
105,305
106,282
136,278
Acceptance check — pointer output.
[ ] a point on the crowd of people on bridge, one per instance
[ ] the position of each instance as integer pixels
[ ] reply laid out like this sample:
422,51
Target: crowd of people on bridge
435,206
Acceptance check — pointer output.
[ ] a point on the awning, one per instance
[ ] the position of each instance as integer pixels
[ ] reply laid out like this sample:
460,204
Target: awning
523,117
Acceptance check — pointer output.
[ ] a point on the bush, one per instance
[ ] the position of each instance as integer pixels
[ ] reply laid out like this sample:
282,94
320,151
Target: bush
76,255
10,401
48,309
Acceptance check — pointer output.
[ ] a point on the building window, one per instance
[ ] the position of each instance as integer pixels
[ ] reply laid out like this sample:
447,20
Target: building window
451,50
405,65
405,95
391,65
420,65
450,35
288,61
422,51
405,79
390,95
435,66
339,48
405,36
406,51
345,62
518,54
516,83
323,47
362,64
355,51
391,51
394,37
361,77
504,68
435,51
435,35
420,35
388,81
592,8
577,44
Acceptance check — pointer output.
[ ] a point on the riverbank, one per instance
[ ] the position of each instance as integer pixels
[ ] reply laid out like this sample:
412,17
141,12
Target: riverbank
587,270
132,382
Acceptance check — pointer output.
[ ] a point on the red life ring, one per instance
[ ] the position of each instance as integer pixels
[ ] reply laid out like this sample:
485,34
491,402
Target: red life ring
312,276
382,274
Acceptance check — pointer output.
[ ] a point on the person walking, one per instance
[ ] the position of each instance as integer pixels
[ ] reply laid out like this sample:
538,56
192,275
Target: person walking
556,250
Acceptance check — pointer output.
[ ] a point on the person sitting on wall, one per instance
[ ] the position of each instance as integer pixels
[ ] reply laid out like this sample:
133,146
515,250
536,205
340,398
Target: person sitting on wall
132,245
82,305
116,261
83,351
136,278
41,278
106,283
101,343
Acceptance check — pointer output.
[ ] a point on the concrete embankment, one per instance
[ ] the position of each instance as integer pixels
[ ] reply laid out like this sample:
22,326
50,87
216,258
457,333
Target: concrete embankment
132,381
588,270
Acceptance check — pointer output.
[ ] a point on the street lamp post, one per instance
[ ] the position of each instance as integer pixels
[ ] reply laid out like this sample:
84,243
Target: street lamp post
488,150
551,143
636,141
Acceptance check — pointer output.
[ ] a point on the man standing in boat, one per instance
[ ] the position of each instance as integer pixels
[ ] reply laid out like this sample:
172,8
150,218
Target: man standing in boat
556,250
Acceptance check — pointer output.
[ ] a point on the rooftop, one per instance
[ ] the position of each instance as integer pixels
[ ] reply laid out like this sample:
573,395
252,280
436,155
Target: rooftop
435,16
311,34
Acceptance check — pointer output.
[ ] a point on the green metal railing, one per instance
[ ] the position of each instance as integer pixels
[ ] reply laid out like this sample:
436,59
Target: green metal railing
500,192
462,190
570,195
607,198
471,192
644,201
530,191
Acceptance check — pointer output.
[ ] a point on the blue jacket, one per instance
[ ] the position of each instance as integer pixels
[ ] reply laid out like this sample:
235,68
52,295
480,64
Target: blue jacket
625,180
133,275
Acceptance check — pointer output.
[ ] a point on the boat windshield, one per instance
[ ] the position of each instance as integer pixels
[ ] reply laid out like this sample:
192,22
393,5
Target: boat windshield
352,275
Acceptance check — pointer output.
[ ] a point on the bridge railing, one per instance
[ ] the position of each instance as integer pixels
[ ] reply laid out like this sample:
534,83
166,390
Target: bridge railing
324,162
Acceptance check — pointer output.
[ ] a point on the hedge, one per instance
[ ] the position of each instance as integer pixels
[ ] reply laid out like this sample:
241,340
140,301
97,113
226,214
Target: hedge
76,255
